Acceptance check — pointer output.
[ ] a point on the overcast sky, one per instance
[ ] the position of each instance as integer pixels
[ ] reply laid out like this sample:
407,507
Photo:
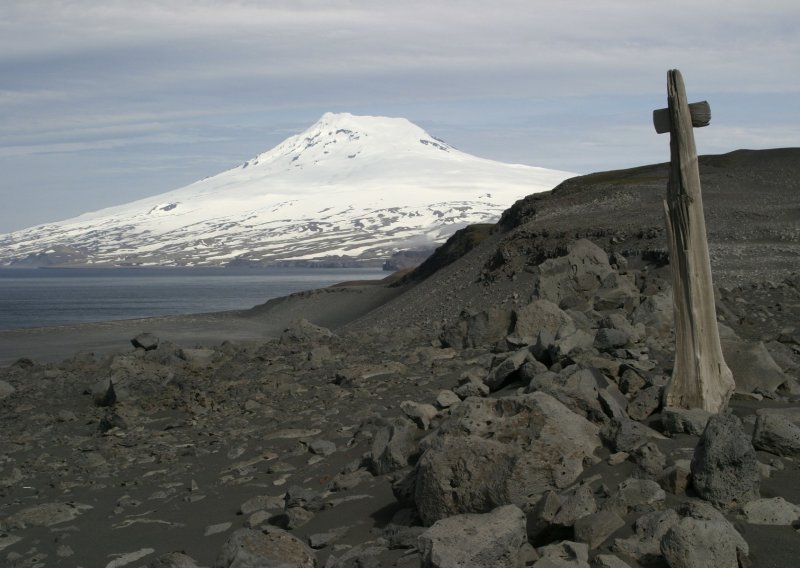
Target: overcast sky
103,101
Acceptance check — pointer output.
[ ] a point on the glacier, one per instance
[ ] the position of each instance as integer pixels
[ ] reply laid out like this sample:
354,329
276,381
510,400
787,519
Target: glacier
349,188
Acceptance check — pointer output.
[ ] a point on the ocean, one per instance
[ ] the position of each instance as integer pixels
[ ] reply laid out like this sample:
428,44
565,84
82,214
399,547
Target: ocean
63,296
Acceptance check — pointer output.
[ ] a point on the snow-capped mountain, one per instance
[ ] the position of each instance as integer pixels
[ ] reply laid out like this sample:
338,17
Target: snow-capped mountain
351,187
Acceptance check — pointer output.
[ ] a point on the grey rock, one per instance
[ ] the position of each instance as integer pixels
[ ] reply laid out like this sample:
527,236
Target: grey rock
675,478
775,511
6,389
577,388
650,460
630,382
540,315
570,344
575,504
544,446
463,474
627,435
322,447
262,503
724,466
607,338
645,403
146,341
617,292
540,518
475,540
297,496
609,561
477,329
321,540
198,357
638,494
248,548
364,555
303,331
446,399
104,394
472,389
645,544
578,273
682,420
656,312
420,413
565,554
292,518
596,528
173,560
394,446
45,515
752,365
703,537
777,430
504,372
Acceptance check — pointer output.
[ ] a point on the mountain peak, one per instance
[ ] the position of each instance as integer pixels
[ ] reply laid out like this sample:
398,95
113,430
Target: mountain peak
336,137
357,187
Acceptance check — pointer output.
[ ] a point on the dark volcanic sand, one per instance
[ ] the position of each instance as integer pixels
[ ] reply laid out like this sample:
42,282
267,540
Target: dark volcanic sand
200,432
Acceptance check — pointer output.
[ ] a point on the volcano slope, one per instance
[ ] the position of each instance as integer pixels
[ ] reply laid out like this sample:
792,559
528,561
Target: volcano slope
502,408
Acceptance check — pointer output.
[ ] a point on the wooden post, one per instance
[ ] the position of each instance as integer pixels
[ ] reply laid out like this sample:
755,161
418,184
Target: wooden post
700,377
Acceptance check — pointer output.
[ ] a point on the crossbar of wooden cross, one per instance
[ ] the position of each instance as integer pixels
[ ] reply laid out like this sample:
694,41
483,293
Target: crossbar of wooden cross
700,113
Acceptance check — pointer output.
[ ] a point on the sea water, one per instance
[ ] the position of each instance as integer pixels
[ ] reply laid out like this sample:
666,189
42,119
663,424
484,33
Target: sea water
62,296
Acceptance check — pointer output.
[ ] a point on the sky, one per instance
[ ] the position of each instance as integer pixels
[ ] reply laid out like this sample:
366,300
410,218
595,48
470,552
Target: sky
106,101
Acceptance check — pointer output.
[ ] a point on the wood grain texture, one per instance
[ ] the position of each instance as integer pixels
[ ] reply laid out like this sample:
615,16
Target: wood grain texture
700,377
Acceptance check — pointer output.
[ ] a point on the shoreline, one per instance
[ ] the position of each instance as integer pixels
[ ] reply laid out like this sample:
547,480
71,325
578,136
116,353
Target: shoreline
259,323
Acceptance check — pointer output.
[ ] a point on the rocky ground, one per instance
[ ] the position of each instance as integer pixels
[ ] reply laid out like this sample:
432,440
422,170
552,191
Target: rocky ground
504,411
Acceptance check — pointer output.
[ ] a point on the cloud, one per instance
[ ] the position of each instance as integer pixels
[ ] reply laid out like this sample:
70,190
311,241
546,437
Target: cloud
572,82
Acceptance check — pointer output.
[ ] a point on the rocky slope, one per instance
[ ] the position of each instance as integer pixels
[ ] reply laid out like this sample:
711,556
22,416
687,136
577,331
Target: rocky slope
526,429
349,189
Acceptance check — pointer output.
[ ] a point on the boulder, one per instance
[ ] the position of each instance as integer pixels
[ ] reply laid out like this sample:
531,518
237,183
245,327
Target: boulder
656,312
645,403
775,511
537,316
777,431
752,365
393,446
682,420
724,466
575,387
565,554
607,339
303,331
640,494
248,548
464,474
579,273
595,529
649,529
6,389
701,538
146,341
478,329
575,504
492,452
626,435
475,540
420,413
505,371
446,399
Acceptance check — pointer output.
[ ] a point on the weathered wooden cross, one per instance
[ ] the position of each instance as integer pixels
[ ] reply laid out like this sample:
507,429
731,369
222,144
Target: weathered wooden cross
700,377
